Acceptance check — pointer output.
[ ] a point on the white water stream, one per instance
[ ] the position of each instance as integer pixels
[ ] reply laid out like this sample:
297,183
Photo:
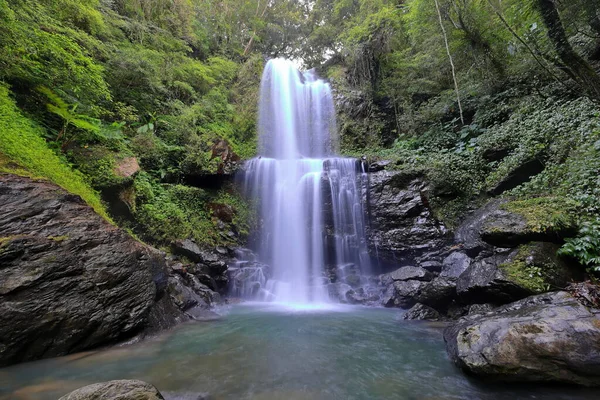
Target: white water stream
310,202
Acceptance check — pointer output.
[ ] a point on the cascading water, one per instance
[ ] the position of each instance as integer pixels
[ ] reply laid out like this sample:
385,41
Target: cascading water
310,202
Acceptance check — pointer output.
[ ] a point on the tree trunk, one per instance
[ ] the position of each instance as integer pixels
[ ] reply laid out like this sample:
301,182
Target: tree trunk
593,17
460,110
586,75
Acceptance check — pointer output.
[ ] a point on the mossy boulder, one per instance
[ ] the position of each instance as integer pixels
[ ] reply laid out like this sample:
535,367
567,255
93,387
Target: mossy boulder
537,267
514,274
513,223
108,169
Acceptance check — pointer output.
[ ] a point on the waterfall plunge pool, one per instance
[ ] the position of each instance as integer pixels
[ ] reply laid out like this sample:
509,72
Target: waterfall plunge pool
265,351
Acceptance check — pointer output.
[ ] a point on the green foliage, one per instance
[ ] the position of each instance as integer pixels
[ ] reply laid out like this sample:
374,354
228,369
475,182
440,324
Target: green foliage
36,49
585,247
168,212
22,143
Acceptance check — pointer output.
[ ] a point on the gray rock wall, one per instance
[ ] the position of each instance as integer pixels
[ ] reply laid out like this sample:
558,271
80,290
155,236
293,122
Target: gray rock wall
69,280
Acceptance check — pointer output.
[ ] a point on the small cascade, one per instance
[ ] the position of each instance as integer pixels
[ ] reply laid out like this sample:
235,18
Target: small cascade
310,203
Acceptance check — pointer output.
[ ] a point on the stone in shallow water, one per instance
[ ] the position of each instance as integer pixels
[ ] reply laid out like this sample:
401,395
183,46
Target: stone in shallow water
116,390
422,312
402,293
545,338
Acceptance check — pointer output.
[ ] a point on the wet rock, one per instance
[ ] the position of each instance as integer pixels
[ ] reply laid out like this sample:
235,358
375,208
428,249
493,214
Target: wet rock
68,273
402,294
222,250
480,308
544,338
116,390
247,278
187,292
379,165
484,282
468,234
349,274
178,268
438,293
408,273
188,249
402,226
184,296
201,314
339,291
362,296
455,264
431,266
422,312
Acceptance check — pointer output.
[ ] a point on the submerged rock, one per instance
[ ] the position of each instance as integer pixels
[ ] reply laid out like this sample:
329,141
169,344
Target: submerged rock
116,390
69,280
544,338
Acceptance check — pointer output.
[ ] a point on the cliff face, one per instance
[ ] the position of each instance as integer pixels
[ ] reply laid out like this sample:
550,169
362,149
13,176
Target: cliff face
69,280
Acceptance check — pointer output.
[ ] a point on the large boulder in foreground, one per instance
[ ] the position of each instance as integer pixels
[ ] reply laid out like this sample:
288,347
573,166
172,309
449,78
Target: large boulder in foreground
116,390
545,338
69,280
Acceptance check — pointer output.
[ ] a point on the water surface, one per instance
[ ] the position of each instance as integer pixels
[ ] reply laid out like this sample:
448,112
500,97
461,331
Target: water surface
263,351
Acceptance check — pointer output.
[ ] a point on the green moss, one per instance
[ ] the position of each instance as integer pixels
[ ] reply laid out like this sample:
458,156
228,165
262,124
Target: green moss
99,163
546,214
534,267
26,153
527,276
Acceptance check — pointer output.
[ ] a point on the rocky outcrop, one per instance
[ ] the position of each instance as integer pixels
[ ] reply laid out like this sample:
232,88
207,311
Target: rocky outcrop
484,281
500,227
116,390
402,227
422,312
406,274
402,294
545,338
476,269
209,266
69,274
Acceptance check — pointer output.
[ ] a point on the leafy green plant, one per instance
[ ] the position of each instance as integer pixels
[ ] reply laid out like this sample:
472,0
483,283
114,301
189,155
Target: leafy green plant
74,122
586,246
26,153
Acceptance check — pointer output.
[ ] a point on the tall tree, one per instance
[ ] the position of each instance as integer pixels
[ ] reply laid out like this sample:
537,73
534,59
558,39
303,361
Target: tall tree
581,69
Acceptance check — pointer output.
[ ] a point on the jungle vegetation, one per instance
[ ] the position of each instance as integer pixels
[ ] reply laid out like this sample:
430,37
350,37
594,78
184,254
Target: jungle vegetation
466,91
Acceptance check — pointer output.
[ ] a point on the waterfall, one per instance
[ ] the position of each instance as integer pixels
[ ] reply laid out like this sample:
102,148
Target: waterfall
310,203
